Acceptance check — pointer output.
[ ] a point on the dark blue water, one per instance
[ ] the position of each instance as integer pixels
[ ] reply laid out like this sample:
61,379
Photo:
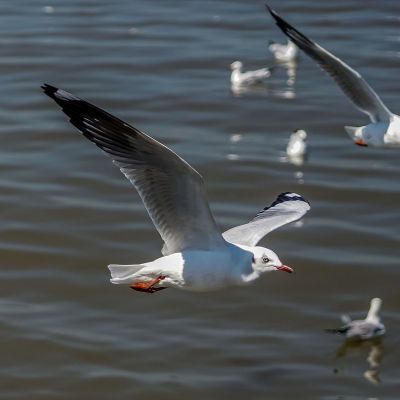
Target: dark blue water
67,212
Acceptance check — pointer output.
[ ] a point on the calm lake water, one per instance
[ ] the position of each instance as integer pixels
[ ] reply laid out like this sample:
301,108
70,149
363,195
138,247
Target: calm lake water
67,212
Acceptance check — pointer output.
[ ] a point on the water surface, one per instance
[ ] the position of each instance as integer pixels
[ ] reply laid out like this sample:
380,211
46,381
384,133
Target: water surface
67,212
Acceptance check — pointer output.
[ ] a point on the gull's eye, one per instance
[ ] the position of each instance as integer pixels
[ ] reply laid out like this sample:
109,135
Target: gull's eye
265,260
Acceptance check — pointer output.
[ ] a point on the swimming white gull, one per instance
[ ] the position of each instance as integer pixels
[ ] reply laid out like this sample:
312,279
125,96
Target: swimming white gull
297,146
284,52
369,328
239,78
384,129
196,256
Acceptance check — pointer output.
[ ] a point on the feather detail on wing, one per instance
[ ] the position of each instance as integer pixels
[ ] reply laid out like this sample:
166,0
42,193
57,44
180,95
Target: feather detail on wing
171,190
288,207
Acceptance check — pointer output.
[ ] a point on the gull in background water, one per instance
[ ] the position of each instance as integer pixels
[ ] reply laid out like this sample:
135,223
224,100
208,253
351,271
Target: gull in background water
384,129
196,256
249,78
364,329
296,149
284,52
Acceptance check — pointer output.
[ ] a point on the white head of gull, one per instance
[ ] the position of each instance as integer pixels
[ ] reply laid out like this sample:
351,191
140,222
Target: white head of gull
239,78
384,129
364,329
196,256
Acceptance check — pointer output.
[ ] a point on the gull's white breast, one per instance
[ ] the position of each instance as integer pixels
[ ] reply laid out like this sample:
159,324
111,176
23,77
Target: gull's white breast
198,270
392,136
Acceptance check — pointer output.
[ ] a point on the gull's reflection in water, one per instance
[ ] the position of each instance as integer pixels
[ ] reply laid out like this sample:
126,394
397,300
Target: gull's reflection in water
234,139
297,154
297,160
291,69
374,349
240,90
288,92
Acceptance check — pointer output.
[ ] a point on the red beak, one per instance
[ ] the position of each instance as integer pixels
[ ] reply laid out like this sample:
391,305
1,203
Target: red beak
360,142
285,268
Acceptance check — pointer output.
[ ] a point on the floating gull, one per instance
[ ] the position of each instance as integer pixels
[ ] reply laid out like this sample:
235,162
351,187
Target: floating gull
239,78
291,70
196,255
384,129
297,146
235,137
284,52
133,31
48,9
364,329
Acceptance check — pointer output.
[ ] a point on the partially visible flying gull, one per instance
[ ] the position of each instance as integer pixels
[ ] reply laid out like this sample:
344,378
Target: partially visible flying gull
284,52
384,129
297,146
196,256
369,328
239,78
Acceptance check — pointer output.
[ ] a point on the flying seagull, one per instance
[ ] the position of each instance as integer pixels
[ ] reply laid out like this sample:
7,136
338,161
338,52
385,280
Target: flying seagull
196,256
369,328
384,129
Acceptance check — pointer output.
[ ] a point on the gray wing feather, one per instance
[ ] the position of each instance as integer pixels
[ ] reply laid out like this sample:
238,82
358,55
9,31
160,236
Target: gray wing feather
288,207
349,80
251,77
171,190
364,330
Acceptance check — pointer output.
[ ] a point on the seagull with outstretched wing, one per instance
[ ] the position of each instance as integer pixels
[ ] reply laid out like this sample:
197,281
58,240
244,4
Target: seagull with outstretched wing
384,129
196,256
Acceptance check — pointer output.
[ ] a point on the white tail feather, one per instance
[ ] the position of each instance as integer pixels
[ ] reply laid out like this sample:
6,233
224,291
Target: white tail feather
352,131
124,274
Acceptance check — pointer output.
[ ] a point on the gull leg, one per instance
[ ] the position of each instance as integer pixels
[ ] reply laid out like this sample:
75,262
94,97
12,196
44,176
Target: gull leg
148,286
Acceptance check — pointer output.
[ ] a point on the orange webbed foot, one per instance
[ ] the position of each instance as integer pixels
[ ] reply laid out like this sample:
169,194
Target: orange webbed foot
148,286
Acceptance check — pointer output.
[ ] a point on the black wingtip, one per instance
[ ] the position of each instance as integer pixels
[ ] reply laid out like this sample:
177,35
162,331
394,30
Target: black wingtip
280,21
330,330
283,198
294,197
61,97
340,331
296,36
49,90
271,11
